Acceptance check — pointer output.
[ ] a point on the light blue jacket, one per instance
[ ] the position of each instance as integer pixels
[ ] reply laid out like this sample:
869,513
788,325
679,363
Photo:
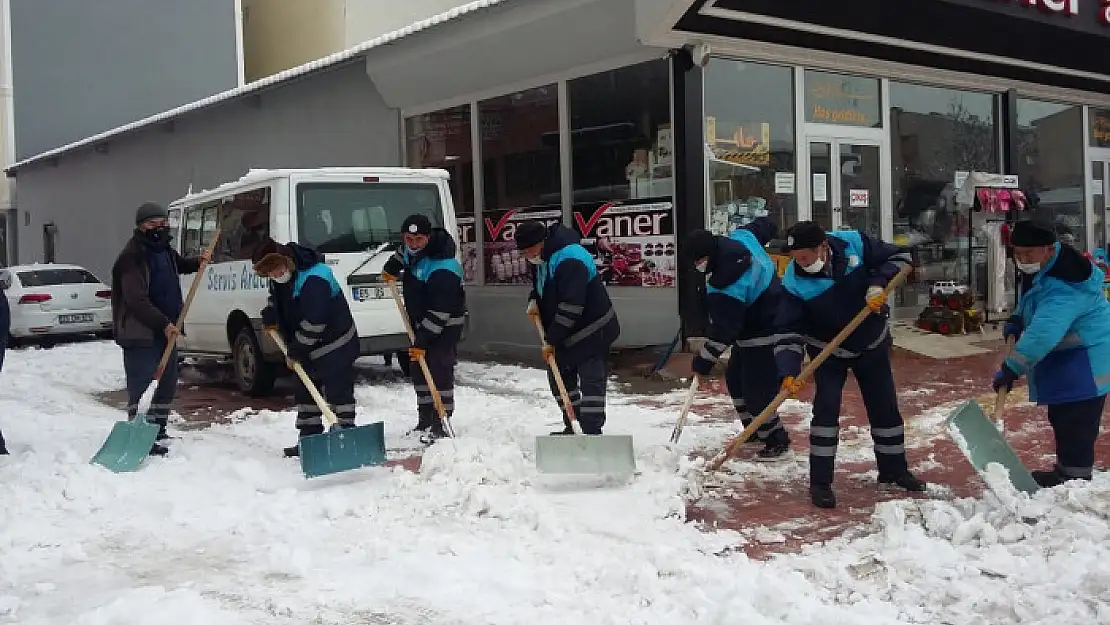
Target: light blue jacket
1065,345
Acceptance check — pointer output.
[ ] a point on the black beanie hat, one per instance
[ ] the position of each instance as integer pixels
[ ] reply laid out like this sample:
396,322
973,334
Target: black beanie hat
416,224
1032,233
530,233
804,235
700,244
150,210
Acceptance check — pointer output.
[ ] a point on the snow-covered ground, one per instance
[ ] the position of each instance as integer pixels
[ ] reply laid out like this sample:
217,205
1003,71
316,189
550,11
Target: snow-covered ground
226,532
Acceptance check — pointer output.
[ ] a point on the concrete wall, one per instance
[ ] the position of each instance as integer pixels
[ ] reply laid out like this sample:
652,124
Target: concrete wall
280,34
83,67
332,119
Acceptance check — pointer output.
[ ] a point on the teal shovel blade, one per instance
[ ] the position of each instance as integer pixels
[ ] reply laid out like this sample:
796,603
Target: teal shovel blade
127,445
579,454
985,444
343,449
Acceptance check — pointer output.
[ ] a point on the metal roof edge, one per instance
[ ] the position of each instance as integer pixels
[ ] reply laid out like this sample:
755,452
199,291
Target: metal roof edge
260,84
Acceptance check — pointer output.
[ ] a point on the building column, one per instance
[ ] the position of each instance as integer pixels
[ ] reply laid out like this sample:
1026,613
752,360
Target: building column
689,186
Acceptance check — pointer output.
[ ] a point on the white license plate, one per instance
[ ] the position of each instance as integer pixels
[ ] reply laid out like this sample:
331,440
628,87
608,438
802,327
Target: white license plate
84,318
366,293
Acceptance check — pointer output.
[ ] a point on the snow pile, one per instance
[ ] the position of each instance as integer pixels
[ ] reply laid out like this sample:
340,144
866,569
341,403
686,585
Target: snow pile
225,531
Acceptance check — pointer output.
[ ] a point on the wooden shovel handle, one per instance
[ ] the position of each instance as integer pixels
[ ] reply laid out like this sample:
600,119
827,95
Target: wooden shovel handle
554,366
686,406
1000,401
185,308
436,398
805,375
321,403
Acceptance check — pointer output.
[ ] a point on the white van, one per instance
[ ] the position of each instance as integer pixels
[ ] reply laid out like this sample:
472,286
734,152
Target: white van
352,216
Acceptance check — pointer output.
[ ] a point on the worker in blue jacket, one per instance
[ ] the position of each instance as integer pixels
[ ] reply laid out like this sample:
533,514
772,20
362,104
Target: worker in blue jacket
308,308
570,300
435,301
743,297
1062,328
830,279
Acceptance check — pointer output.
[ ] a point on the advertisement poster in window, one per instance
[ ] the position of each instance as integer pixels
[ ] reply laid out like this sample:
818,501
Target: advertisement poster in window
504,263
468,248
632,244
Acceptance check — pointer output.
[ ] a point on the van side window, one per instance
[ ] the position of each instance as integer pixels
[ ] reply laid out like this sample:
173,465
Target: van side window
209,226
245,224
175,222
190,240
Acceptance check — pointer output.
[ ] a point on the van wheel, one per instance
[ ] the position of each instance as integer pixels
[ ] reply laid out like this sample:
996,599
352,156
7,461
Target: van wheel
404,362
253,375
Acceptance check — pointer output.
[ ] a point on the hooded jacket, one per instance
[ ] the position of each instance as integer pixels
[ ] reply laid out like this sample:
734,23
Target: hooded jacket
574,305
816,307
743,292
312,312
432,280
1065,345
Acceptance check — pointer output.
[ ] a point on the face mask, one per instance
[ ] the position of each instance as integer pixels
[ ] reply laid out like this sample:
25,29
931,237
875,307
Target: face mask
537,261
702,267
283,278
817,266
410,251
158,235
1029,268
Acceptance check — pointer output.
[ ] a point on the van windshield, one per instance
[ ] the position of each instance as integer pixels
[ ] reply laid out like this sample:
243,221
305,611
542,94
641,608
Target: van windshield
336,217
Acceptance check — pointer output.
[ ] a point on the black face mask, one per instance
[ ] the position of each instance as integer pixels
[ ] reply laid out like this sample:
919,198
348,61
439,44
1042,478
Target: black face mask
158,236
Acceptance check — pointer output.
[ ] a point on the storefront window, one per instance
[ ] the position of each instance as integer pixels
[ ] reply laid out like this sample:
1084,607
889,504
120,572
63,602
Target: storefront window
749,136
843,100
622,172
442,139
520,174
1050,165
1100,128
938,136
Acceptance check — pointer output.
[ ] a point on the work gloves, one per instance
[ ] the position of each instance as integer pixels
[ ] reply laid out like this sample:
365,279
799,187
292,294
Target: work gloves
1013,328
792,386
1004,379
269,317
416,353
876,299
533,310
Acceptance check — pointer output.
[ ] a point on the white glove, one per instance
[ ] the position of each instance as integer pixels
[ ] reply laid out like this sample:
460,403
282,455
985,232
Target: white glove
874,291
533,308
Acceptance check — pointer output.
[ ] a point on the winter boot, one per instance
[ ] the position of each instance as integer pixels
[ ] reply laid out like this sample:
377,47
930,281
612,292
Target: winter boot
295,450
435,432
158,450
822,496
1049,479
3,445
424,422
773,451
905,479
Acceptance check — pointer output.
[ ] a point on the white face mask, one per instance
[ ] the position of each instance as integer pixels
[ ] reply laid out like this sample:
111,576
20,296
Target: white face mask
817,266
283,278
1029,268
703,266
537,261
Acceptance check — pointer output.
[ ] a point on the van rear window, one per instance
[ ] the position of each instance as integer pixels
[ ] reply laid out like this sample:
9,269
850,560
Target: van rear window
336,217
51,277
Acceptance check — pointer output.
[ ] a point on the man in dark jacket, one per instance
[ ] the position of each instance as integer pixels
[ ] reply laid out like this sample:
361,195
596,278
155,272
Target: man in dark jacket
743,293
307,307
436,305
5,328
570,299
830,279
146,302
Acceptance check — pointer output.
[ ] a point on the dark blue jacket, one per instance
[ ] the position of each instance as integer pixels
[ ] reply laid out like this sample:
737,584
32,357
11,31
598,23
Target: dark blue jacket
313,315
743,293
165,283
433,289
1065,345
574,304
816,307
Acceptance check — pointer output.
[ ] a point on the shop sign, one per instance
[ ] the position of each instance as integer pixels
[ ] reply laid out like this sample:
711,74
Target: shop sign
859,198
842,100
1100,128
632,244
504,263
1092,16
468,247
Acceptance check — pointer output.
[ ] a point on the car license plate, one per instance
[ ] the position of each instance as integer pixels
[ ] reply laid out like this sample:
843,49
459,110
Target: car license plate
365,293
84,318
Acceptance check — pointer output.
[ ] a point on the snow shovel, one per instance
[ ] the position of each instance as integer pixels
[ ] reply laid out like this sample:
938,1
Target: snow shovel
130,441
805,375
676,433
440,409
578,453
338,449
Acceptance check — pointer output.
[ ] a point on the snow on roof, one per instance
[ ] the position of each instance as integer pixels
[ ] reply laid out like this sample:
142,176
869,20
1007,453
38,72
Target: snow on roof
262,83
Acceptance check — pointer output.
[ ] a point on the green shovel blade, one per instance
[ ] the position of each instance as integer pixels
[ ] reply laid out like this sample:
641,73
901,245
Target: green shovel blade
985,445
579,454
343,449
127,446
